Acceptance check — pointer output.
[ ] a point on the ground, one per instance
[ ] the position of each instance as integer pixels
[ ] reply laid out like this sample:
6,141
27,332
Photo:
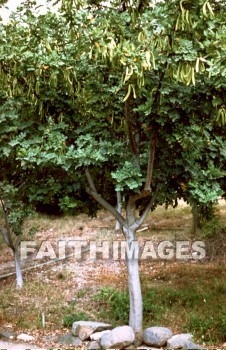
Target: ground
66,289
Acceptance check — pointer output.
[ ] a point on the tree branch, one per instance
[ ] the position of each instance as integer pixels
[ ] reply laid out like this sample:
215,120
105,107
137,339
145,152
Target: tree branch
90,180
119,209
6,233
93,192
146,212
132,137
137,196
147,186
107,206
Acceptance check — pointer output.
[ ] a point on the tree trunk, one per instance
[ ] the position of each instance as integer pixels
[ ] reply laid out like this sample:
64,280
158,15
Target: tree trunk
134,285
19,277
119,209
129,228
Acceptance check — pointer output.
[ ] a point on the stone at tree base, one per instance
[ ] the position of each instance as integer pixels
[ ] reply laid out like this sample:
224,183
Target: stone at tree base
25,337
98,335
190,345
179,341
118,338
84,332
145,347
83,329
157,336
94,345
69,339
7,335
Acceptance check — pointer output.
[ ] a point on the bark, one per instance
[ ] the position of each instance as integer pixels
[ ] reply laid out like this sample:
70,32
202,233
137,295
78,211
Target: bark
129,226
93,192
19,277
134,286
146,211
133,133
119,209
147,186
14,245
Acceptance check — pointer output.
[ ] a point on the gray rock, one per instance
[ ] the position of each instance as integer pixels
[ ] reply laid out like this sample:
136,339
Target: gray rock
8,335
157,336
50,338
94,345
144,347
69,339
190,345
179,341
84,332
83,329
98,335
118,338
25,337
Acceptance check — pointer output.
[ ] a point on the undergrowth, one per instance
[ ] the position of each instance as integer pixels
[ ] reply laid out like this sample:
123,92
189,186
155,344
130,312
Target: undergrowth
195,309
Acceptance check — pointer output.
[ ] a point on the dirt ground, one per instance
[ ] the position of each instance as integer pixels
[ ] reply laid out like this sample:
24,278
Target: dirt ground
87,273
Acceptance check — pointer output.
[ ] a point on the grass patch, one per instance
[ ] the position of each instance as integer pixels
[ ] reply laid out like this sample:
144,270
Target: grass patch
59,226
24,308
113,305
70,318
194,302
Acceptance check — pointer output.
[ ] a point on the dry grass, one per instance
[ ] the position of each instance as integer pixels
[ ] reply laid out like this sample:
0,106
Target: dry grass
55,290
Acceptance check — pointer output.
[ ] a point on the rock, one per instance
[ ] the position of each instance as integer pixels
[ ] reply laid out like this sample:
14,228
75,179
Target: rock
69,339
50,338
190,345
83,329
98,335
94,345
7,335
157,336
144,347
179,341
118,338
25,337
84,332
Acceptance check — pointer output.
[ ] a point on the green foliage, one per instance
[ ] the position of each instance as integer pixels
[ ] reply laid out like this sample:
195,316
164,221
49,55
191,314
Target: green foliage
67,76
208,327
69,319
211,228
202,310
127,176
15,210
113,304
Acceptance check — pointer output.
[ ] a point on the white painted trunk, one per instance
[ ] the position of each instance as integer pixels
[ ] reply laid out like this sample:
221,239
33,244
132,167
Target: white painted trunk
19,277
135,295
119,209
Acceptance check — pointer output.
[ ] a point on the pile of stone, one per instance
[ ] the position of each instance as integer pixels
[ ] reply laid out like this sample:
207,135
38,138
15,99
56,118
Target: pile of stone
98,335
